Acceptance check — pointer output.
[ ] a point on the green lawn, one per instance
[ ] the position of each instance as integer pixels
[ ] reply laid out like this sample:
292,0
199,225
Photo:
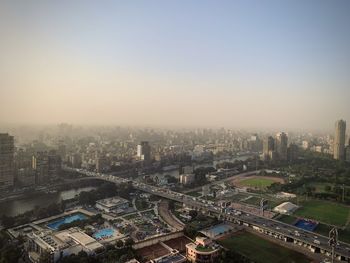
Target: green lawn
344,235
260,250
204,249
257,182
320,187
253,201
287,219
323,211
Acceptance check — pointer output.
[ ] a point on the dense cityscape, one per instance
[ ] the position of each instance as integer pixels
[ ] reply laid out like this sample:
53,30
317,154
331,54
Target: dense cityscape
174,131
172,195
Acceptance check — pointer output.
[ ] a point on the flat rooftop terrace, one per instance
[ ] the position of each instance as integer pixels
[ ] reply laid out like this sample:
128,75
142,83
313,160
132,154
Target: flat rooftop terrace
112,202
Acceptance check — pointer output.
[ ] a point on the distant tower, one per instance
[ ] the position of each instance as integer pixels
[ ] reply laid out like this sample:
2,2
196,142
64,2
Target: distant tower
40,164
6,161
347,152
144,151
268,147
339,140
292,152
281,145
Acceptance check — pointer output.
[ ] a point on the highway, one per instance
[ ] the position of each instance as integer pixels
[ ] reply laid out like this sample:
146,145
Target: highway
270,227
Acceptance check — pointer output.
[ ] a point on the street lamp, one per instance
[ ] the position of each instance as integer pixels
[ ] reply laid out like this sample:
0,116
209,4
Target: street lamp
333,240
262,204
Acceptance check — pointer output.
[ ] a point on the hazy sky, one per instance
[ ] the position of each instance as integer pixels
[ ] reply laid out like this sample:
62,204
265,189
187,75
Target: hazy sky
249,64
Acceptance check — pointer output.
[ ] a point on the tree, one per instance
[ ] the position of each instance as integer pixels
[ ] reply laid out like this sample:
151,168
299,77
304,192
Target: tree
120,243
172,179
327,188
45,257
7,221
190,231
193,214
9,252
129,242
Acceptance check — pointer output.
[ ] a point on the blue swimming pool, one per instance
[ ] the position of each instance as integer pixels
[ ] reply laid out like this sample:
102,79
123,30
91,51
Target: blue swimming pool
104,233
306,224
65,220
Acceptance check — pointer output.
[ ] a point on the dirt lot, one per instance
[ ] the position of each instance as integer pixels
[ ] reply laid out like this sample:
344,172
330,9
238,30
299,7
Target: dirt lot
178,243
152,252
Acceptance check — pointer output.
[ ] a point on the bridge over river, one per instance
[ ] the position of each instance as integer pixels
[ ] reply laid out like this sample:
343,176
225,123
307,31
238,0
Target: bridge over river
279,230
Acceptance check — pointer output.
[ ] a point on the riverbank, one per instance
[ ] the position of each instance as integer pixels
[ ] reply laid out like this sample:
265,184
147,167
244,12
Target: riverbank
39,200
67,185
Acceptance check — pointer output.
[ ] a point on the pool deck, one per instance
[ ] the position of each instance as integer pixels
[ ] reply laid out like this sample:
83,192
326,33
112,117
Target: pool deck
51,218
116,236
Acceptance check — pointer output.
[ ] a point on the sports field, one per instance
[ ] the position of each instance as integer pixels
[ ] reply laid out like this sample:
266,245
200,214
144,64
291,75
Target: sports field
245,243
257,182
323,211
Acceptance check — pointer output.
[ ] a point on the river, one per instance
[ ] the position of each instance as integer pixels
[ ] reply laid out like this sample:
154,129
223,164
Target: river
16,207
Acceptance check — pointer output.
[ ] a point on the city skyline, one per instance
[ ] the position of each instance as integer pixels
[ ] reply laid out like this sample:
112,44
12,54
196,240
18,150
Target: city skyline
240,65
174,131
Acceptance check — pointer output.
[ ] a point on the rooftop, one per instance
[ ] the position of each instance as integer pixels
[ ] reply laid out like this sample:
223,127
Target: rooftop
174,258
112,201
66,238
203,249
288,206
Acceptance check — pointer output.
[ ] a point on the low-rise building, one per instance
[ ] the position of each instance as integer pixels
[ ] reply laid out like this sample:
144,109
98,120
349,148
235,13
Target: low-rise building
187,179
54,246
113,204
286,208
285,195
173,257
202,251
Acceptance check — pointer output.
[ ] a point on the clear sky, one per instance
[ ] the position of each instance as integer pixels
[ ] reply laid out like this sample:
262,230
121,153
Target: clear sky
245,64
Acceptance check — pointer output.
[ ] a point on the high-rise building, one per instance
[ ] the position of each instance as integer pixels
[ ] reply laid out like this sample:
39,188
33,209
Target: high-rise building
55,164
144,151
101,163
40,164
347,152
281,145
339,140
305,145
268,148
292,152
6,161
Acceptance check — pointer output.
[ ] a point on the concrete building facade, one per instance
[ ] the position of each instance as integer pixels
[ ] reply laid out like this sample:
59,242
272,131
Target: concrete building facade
339,140
40,164
55,246
6,161
281,145
268,148
187,179
347,152
144,151
202,251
